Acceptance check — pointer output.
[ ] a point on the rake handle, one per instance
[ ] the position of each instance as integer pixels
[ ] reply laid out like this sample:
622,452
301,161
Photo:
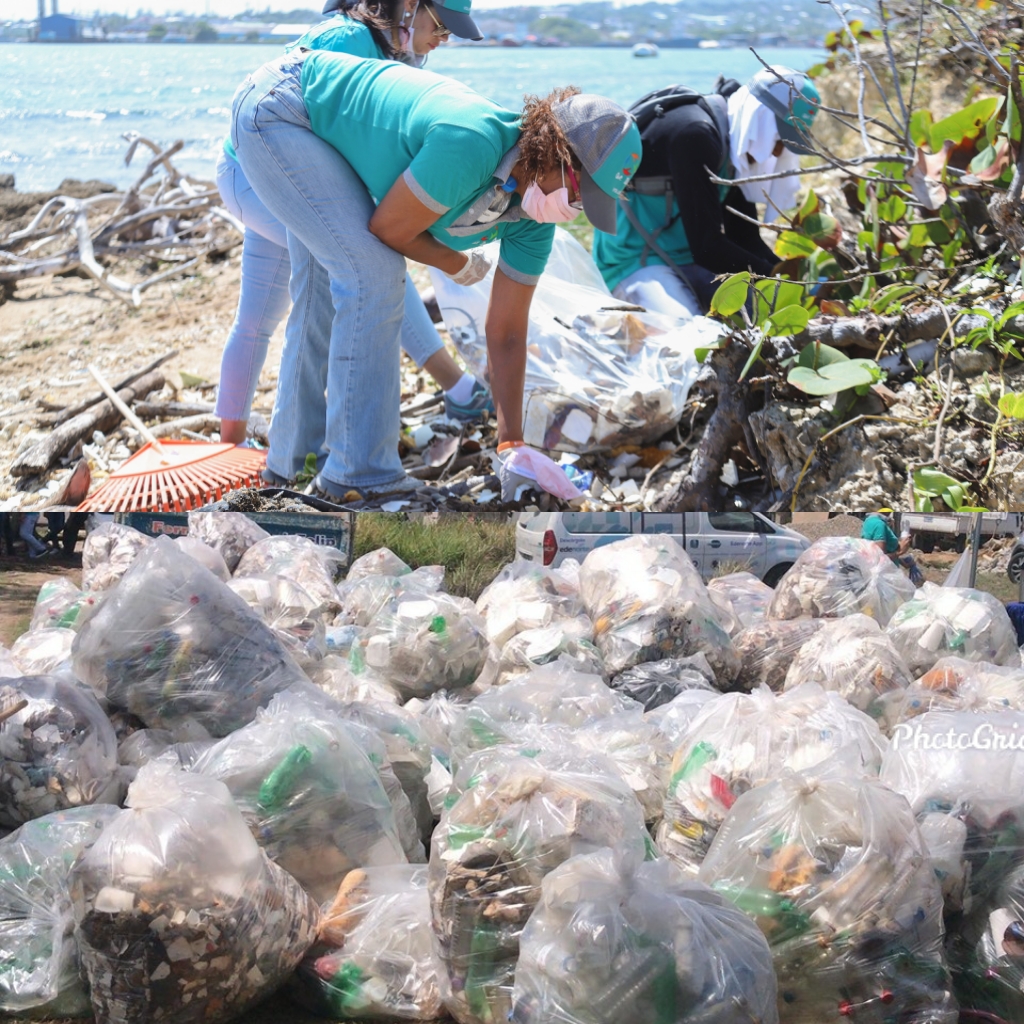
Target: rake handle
123,409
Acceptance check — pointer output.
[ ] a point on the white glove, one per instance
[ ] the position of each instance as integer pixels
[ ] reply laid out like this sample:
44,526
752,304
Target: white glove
475,270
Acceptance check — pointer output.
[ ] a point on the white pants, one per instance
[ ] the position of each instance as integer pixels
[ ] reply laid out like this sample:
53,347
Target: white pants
657,289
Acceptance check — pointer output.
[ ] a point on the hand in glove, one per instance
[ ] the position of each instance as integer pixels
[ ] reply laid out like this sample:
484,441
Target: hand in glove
475,269
521,465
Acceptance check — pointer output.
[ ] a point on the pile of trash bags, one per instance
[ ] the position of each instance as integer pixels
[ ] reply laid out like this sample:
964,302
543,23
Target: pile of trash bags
602,792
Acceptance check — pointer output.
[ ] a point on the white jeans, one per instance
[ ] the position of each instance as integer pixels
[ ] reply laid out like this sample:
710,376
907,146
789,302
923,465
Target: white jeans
657,288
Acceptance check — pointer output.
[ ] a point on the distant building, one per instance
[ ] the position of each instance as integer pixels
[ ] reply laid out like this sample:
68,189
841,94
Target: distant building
59,28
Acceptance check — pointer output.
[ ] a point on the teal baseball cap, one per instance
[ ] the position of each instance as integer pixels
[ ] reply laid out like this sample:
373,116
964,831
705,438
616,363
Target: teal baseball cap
607,141
794,100
454,15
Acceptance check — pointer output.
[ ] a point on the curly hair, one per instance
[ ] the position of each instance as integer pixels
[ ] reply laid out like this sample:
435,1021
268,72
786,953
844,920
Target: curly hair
542,146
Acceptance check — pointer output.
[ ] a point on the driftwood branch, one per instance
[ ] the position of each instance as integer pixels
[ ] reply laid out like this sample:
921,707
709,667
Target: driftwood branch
172,219
867,331
102,416
718,379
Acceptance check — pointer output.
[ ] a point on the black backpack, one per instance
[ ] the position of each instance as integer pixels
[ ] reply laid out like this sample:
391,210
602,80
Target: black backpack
645,111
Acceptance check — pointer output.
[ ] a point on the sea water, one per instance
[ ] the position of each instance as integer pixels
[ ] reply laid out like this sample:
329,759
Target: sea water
63,108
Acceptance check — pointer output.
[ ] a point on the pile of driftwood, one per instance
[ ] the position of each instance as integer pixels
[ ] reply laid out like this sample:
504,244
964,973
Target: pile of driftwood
166,221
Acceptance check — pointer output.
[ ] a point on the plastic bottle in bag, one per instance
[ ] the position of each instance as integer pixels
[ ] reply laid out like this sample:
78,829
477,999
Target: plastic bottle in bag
314,567
375,959
180,917
741,741
746,596
616,939
837,576
108,554
517,819
174,645
834,871
312,795
61,605
39,965
297,618
647,602
57,753
944,621
526,596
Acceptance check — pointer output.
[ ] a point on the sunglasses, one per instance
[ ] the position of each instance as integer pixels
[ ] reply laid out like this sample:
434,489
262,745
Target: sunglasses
441,32
577,203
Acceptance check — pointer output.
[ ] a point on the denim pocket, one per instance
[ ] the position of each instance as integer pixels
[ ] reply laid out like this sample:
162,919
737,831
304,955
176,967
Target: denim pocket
287,95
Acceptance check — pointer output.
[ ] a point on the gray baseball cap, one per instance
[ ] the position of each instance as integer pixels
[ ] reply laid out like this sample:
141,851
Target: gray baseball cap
794,100
607,141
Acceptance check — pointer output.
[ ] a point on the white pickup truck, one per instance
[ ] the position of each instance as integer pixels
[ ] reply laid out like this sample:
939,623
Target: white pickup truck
717,542
951,529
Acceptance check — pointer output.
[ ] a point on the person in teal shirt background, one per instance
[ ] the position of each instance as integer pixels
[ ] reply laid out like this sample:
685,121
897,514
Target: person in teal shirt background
368,162
404,30
877,527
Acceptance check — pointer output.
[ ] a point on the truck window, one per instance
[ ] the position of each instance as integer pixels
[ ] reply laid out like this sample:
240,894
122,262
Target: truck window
596,522
735,522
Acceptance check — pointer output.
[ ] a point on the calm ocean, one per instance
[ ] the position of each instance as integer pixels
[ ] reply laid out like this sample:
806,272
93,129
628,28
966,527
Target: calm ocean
63,108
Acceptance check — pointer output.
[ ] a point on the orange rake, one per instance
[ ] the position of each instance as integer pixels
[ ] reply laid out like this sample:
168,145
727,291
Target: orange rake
172,476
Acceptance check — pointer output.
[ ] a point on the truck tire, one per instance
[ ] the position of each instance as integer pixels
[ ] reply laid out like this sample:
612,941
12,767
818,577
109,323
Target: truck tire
775,573
926,543
1016,567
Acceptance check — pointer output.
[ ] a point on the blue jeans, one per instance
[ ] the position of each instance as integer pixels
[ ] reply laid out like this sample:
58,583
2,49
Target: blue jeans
262,303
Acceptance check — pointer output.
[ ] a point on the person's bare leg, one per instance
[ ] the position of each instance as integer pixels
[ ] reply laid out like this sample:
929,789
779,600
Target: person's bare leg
443,369
233,431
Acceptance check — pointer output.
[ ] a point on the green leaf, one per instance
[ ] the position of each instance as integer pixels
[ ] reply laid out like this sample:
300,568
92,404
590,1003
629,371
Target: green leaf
789,245
933,481
983,160
966,123
816,354
731,295
949,252
755,354
922,503
190,380
887,297
786,321
893,209
826,231
789,293
816,70
1012,405
1011,123
701,354
810,205
921,127
834,377
954,496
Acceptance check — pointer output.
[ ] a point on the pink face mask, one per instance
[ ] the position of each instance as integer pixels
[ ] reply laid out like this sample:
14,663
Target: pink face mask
553,208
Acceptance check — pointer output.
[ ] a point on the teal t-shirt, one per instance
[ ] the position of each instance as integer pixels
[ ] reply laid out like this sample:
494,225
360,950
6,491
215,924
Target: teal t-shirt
340,34
619,255
447,141
876,528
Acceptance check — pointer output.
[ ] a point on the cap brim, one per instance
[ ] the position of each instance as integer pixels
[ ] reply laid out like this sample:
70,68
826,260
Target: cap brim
459,24
599,207
331,6
793,139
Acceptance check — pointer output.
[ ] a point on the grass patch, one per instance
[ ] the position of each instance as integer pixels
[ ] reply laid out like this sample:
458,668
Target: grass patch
472,548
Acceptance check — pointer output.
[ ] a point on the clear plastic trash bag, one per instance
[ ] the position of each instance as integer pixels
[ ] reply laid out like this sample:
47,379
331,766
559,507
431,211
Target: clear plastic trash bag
837,576
856,659
746,596
39,966
968,767
517,819
367,597
768,648
230,534
314,567
595,374
991,974
674,718
944,621
381,562
310,791
108,554
375,958
176,647
61,605
568,642
427,642
526,596
206,556
615,939
833,869
40,652
648,602
291,612
57,753
349,678
739,741
180,917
